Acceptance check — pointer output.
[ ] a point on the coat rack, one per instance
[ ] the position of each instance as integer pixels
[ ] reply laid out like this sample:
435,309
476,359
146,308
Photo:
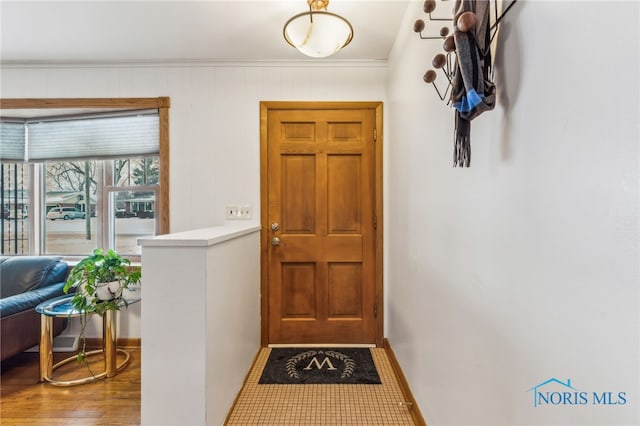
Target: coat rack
466,62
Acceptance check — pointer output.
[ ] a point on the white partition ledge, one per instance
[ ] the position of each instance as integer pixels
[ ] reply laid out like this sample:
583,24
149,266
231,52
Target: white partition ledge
200,322
200,237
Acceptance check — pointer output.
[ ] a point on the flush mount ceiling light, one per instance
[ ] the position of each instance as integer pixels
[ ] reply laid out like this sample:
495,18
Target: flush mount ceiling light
318,33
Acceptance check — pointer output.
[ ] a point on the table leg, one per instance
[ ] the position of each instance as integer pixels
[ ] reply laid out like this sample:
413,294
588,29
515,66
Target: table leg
109,352
109,325
46,347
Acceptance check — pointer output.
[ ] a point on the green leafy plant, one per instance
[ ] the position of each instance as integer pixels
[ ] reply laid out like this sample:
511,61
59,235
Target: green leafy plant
99,280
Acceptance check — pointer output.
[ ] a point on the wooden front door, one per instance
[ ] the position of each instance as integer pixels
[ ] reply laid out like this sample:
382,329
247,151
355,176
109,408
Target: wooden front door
319,223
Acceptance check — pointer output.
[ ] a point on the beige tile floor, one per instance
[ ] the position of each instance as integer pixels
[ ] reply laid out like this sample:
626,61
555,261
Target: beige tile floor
312,404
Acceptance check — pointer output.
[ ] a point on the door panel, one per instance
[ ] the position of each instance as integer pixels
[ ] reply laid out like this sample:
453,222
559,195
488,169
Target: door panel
345,293
344,132
297,131
298,290
321,186
344,194
298,194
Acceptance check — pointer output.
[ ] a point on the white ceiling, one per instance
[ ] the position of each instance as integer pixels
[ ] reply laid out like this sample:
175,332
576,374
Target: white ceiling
160,31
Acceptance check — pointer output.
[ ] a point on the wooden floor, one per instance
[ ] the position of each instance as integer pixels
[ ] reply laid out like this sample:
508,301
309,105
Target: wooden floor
25,401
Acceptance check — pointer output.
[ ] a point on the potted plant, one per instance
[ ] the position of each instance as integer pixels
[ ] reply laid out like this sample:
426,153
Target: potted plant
99,281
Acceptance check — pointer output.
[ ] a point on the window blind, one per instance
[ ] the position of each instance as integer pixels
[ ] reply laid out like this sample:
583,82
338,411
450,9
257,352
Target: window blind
95,137
11,141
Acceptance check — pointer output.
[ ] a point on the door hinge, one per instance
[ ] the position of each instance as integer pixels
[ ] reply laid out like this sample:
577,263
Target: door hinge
375,222
375,134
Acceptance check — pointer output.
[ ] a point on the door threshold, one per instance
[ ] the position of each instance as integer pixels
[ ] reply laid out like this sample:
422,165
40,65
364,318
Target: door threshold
321,345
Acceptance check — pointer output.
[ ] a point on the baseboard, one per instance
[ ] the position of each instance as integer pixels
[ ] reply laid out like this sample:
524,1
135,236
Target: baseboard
122,342
416,415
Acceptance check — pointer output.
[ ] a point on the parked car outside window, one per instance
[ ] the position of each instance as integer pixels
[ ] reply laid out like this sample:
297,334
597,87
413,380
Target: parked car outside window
65,213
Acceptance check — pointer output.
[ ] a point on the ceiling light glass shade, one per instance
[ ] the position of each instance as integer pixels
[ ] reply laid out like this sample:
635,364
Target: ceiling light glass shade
317,33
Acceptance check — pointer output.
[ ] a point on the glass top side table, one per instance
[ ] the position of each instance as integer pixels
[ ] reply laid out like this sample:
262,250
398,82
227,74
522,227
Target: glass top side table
62,307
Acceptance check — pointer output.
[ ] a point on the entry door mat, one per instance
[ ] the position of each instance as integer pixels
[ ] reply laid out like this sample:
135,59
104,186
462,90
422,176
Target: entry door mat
288,366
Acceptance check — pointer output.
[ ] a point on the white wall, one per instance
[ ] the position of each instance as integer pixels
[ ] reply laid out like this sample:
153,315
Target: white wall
201,323
214,116
525,266
214,123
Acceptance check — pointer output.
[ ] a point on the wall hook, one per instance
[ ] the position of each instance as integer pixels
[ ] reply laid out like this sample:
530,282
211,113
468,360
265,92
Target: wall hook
476,25
449,45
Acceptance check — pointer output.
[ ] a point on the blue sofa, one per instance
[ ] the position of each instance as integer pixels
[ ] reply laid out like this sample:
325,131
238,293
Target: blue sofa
26,281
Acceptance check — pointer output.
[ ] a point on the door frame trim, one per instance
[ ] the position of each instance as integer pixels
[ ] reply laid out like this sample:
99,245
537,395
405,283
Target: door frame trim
265,107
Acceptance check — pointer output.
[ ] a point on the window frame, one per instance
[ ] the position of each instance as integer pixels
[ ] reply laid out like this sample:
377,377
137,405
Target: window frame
162,104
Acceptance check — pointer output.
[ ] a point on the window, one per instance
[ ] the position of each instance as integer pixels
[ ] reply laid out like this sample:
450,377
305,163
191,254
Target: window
15,230
88,181
73,192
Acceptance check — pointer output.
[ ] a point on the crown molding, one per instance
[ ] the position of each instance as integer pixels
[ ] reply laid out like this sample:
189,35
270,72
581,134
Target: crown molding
303,63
